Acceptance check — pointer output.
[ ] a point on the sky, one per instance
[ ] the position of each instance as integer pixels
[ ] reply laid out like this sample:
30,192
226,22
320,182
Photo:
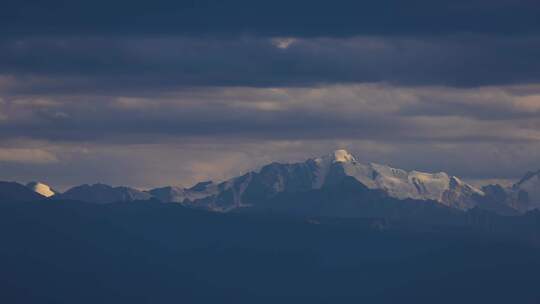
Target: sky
152,93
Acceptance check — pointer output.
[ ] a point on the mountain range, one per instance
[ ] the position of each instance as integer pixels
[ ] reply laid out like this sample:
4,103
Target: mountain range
304,183
327,228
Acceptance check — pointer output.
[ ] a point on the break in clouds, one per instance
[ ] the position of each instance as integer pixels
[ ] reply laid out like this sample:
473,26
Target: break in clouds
170,100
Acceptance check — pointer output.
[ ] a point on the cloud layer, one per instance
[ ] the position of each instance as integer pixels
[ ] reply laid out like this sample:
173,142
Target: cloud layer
194,133
144,64
167,92
275,18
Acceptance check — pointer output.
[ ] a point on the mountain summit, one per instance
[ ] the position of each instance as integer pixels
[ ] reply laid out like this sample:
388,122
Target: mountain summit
340,156
41,188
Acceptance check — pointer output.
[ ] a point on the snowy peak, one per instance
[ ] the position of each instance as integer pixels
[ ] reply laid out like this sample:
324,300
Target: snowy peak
342,156
397,183
402,184
41,188
324,165
338,156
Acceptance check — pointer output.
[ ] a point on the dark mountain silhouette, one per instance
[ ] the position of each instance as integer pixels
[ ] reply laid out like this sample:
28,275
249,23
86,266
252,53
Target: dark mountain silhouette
348,198
523,196
102,194
143,252
15,192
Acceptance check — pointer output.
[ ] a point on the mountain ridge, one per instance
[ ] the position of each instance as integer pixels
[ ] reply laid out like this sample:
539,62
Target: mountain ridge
265,184
315,173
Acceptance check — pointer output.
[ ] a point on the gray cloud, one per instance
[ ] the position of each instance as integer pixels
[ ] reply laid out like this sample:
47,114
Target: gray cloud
173,91
189,134
105,65
279,17
371,111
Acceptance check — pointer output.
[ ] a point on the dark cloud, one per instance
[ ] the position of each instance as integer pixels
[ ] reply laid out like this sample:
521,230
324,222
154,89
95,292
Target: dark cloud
99,122
487,103
368,112
271,18
137,64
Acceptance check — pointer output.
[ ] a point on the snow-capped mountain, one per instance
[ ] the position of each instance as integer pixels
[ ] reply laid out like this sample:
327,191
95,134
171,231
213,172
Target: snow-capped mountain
102,194
398,183
253,187
316,174
41,188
